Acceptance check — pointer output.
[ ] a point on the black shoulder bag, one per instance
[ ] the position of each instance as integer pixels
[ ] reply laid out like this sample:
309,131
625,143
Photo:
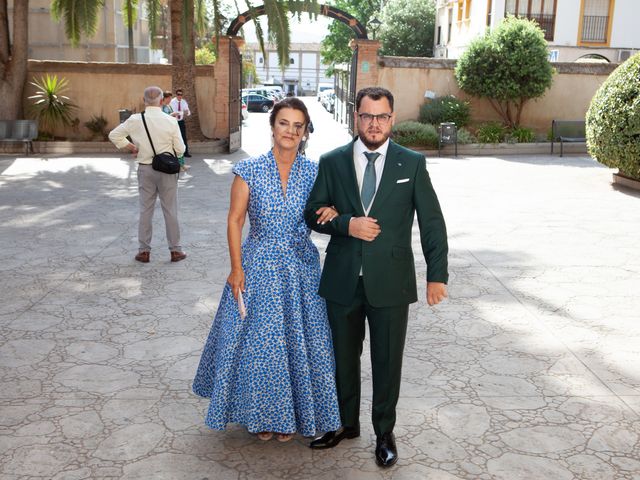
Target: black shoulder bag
165,162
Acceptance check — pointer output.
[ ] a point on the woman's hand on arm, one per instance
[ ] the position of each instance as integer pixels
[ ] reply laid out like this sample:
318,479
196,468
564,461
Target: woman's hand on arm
326,214
235,222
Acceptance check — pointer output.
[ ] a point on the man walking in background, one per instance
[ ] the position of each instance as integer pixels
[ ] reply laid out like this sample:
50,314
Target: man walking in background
378,187
166,137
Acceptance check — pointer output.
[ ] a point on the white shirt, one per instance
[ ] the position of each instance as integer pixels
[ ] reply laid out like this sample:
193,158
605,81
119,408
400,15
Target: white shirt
360,163
184,107
163,129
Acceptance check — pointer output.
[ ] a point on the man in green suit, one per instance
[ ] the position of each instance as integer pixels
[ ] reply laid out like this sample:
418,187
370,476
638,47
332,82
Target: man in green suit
377,187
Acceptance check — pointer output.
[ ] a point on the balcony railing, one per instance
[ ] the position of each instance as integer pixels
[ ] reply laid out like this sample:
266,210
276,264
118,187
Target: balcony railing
594,29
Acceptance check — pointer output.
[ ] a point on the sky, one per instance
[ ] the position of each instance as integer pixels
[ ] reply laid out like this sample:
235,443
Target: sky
306,31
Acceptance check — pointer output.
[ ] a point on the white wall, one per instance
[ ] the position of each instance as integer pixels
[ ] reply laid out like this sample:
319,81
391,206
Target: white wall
624,30
567,23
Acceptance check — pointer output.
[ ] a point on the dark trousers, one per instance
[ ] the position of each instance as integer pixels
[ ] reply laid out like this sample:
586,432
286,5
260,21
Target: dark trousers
387,328
183,132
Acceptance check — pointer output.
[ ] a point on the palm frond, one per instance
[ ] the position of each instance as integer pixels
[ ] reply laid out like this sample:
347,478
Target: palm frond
79,16
200,17
154,7
126,6
279,31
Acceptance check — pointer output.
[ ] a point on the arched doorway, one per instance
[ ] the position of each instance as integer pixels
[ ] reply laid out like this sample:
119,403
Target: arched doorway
346,91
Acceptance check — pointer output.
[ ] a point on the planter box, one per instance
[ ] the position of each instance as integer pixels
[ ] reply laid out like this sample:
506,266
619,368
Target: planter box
70,147
620,179
474,149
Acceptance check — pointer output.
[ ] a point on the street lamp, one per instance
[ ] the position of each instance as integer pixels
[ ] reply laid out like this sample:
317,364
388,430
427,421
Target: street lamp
374,24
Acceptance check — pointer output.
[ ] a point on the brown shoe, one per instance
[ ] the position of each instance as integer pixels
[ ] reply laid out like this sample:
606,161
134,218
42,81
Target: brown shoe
143,257
177,256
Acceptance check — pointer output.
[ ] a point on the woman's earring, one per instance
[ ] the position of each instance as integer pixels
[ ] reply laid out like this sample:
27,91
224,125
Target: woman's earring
304,139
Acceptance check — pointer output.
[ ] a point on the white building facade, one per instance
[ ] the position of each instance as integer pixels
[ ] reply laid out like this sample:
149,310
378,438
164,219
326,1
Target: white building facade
576,30
303,73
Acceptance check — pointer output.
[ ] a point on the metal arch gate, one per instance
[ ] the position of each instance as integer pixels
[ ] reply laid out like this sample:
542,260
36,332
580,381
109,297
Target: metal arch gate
235,105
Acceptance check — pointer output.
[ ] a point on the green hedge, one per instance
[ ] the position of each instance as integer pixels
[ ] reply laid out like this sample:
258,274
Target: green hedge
613,120
411,133
445,109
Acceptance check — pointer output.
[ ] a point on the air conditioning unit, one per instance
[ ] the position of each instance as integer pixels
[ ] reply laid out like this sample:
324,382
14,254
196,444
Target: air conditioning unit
624,55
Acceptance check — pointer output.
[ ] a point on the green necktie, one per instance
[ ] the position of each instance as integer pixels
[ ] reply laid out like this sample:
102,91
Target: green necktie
369,179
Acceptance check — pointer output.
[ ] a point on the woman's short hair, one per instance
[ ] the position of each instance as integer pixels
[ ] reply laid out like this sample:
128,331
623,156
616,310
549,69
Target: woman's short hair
290,102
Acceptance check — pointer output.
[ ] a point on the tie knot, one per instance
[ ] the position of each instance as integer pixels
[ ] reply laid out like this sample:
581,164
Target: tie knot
371,156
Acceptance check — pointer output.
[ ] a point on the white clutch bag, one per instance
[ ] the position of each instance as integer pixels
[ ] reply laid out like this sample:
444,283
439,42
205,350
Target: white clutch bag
241,308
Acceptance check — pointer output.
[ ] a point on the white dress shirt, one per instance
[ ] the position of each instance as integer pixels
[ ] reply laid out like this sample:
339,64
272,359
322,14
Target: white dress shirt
183,108
163,129
360,163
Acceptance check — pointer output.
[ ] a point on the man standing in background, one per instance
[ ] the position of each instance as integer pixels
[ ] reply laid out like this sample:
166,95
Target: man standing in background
181,107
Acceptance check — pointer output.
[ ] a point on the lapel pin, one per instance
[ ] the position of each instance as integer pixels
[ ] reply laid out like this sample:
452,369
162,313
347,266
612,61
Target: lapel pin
399,164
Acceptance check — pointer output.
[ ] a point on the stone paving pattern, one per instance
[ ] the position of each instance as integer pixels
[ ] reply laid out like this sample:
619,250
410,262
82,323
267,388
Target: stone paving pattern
531,370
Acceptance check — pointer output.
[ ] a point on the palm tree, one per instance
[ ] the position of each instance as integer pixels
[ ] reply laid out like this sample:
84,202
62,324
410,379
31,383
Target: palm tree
184,14
13,58
130,15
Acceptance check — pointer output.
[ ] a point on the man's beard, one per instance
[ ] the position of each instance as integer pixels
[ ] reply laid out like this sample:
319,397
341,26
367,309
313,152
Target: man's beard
370,144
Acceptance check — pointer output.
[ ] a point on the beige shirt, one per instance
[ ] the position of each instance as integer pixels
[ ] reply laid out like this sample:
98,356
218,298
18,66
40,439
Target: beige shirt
163,129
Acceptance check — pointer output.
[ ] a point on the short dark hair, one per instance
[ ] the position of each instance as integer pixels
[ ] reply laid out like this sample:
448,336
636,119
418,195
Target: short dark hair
290,102
179,91
166,94
374,93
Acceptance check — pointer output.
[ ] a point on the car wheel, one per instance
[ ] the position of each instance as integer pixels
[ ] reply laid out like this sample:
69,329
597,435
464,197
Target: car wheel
265,108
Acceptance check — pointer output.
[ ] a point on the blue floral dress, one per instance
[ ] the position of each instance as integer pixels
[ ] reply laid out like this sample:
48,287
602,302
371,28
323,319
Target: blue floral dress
273,371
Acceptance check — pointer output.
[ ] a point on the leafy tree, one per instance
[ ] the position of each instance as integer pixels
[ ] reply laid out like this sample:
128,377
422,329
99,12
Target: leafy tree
509,66
408,27
613,120
13,58
335,46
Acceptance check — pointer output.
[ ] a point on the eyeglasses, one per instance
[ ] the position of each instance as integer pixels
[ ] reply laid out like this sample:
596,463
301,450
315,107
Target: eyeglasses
383,118
286,126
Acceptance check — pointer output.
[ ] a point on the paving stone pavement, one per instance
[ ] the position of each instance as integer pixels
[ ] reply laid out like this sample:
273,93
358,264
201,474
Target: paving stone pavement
530,370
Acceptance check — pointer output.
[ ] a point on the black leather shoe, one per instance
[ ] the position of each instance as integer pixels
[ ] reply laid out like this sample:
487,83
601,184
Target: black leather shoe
331,439
386,450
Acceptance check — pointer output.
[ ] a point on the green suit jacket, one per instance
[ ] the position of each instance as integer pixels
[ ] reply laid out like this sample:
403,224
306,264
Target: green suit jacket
387,263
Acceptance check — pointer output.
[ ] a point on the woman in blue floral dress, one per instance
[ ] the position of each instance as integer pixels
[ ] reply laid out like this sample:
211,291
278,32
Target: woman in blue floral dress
273,370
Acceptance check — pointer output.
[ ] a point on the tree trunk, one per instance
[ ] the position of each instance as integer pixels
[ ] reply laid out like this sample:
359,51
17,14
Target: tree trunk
13,59
132,52
183,62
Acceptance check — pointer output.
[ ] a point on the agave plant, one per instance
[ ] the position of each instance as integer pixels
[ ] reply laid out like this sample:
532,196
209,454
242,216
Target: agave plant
50,107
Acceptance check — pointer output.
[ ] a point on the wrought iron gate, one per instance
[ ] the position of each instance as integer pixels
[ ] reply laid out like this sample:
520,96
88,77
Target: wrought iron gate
235,104
351,103
345,85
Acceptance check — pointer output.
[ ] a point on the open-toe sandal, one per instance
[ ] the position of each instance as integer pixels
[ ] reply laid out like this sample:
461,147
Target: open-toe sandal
284,437
265,436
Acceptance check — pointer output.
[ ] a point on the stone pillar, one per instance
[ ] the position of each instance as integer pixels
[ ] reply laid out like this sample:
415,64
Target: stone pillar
367,73
222,76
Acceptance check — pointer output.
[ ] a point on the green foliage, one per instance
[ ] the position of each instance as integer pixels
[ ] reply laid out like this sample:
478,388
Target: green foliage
613,120
335,46
508,65
522,135
407,28
98,126
445,109
412,133
205,56
465,136
249,73
129,6
49,104
491,132
80,17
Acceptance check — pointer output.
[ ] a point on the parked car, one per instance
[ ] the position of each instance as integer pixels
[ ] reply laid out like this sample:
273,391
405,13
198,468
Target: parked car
322,87
328,99
258,103
261,91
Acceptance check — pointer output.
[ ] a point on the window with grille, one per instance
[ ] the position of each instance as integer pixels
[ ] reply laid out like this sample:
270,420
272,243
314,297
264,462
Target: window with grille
595,21
542,11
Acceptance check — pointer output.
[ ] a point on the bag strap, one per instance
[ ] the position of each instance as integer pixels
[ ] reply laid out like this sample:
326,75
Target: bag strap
147,130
